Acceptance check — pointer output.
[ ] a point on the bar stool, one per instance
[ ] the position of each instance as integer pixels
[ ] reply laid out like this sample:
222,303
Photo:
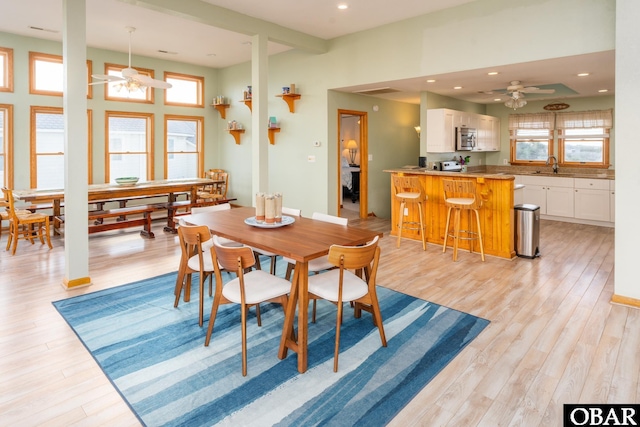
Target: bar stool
408,191
460,195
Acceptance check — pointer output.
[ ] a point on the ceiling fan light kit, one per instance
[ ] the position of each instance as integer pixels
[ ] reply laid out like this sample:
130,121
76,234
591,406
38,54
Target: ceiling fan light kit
130,79
516,92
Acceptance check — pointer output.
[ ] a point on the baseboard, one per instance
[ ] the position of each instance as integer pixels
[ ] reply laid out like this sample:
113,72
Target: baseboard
627,301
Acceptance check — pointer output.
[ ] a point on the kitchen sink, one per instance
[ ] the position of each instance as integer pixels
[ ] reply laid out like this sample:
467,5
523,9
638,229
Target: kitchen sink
553,174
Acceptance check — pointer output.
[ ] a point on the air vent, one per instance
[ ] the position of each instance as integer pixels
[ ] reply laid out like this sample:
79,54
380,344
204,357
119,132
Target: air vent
378,91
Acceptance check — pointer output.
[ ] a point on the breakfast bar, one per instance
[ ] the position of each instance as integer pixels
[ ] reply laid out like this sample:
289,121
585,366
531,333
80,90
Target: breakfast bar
496,214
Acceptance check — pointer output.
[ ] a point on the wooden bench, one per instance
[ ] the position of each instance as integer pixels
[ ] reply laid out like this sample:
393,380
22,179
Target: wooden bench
98,226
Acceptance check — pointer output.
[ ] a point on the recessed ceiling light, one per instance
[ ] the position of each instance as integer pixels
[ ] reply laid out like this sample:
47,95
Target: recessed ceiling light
583,74
497,99
211,54
343,6
603,90
457,87
431,81
246,43
492,73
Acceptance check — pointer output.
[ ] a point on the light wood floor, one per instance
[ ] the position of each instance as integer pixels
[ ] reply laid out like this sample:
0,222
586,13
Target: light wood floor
554,337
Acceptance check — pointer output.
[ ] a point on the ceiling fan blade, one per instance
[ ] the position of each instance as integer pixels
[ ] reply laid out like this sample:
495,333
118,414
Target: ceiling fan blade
106,77
99,83
532,89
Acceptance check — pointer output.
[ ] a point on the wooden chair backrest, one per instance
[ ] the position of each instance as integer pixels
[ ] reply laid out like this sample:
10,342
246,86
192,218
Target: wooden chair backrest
233,258
9,202
461,188
357,257
408,184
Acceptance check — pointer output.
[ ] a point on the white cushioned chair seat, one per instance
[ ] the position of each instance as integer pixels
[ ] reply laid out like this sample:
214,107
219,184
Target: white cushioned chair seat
258,286
460,200
325,285
317,264
408,195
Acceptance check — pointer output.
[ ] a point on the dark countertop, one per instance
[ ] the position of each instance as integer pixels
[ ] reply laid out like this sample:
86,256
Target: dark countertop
507,172
471,174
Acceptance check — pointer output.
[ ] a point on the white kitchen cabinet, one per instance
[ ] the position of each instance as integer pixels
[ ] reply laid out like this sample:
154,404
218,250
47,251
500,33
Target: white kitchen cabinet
592,199
488,133
555,196
441,131
442,124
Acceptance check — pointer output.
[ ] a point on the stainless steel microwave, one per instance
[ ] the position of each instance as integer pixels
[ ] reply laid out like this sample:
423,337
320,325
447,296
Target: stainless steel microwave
466,138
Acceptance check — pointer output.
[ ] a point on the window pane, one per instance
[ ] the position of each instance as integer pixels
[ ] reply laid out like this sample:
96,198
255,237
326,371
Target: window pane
50,171
182,136
183,165
127,165
182,91
532,150
48,76
3,65
49,133
584,150
127,134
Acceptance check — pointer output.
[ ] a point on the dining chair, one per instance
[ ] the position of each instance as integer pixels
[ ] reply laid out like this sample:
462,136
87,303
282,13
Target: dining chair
343,285
318,264
258,252
217,190
249,288
4,212
25,225
195,243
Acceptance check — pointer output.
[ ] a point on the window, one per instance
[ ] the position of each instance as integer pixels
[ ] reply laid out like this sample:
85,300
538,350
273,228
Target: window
185,90
583,138
6,145
129,150
46,74
6,69
183,146
531,138
47,147
116,91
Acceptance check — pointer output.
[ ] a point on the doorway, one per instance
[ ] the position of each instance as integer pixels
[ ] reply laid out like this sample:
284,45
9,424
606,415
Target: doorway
352,163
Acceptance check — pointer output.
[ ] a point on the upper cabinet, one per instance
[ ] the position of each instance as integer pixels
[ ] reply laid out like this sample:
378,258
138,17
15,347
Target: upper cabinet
442,124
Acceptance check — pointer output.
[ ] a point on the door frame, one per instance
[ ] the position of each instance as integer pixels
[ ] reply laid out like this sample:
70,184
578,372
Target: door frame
364,156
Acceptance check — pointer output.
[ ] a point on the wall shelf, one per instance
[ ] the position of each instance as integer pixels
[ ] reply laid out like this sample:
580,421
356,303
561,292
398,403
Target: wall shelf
272,132
247,102
290,98
236,134
222,109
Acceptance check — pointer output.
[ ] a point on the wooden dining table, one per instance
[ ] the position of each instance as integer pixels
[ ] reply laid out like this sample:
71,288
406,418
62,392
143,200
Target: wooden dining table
303,240
116,192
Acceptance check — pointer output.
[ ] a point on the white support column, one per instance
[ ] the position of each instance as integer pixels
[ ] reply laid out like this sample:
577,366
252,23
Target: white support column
259,114
74,52
627,105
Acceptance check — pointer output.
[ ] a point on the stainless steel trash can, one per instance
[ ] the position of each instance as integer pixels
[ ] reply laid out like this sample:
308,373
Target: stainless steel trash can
527,233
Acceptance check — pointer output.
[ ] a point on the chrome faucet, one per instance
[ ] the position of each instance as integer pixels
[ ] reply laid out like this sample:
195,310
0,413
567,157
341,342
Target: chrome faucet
554,163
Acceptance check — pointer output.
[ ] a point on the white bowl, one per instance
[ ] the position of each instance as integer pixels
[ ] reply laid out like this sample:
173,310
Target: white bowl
127,180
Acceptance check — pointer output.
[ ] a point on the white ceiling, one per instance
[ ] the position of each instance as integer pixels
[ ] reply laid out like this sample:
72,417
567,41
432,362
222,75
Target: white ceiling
197,43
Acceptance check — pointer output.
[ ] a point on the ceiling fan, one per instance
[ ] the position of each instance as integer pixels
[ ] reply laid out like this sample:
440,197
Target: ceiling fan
131,79
516,92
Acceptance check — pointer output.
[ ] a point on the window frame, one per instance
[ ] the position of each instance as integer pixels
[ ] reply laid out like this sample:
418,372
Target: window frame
47,57
513,142
150,92
7,84
149,117
7,146
605,150
199,145
33,155
187,77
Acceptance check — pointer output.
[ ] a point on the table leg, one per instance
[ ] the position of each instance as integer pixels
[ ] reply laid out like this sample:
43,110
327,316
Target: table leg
56,216
298,294
171,225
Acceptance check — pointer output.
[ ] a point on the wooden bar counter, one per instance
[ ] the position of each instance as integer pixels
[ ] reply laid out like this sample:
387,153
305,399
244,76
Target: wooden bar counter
496,215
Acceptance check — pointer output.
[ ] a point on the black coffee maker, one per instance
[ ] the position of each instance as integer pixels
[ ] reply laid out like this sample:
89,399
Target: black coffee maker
422,162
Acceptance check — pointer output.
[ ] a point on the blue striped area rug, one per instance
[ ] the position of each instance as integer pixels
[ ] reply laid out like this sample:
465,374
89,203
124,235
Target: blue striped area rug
154,355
